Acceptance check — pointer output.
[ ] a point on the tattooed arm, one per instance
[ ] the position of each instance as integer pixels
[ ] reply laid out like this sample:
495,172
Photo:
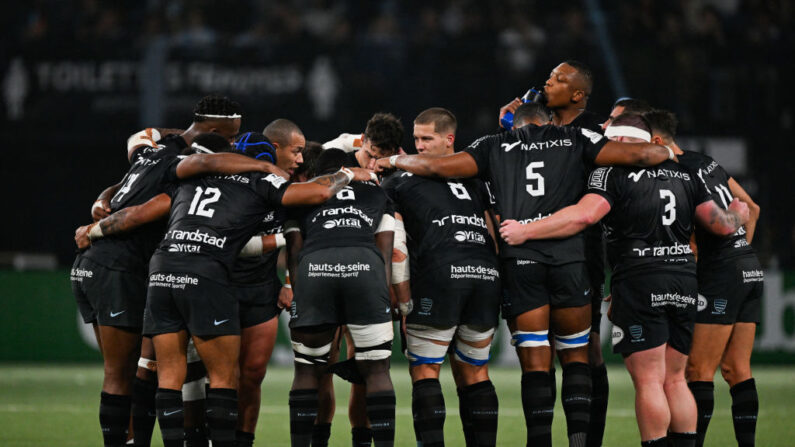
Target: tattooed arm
101,206
124,220
723,223
324,187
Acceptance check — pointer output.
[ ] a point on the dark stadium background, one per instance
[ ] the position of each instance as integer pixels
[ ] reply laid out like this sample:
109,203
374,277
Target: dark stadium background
78,77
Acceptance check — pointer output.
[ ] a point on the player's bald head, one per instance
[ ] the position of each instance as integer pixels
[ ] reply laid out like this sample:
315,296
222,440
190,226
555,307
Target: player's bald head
281,131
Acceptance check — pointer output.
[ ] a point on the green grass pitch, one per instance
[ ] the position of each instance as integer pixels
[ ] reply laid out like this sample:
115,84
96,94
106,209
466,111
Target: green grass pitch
57,405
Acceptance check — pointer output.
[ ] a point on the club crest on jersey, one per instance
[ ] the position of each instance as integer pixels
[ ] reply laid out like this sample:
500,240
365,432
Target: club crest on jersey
425,306
702,302
636,331
720,306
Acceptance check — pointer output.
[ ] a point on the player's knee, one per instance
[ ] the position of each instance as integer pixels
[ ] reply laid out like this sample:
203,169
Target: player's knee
372,341
306,355
470,347
533,339
252,372
421,347
733,372
572,341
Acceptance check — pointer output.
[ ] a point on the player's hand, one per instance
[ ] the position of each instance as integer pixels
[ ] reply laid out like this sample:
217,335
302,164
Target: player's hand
364,175
81,236
510,107
285,298
741,209
405,307
512,232
382,165
100,209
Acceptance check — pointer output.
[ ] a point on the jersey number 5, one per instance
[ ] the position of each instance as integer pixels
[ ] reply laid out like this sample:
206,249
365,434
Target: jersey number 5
211,195
536,190
669,213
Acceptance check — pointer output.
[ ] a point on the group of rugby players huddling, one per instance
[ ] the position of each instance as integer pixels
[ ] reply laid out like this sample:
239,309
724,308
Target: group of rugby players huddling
179,268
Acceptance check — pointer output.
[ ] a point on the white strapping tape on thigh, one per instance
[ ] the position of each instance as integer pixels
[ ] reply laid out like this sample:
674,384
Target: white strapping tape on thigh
192,354
372,336
146,363
470,354
572,341
193,390
469,333
422,351
522,339
319,354
430,332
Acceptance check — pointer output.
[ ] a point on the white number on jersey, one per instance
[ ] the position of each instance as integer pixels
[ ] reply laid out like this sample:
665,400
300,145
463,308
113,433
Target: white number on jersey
536,190
669,213
346,194
725,195
211,195
126,187
459,191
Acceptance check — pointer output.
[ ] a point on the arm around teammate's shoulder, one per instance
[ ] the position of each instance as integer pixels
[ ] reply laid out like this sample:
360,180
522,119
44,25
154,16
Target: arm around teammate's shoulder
324,187
719,221
632,154
225,163
458,165
563,223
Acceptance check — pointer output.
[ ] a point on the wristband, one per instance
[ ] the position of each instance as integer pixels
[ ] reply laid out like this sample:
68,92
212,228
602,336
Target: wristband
406,308
95,232
671,154
280,241
348,173
373,177
287,285
97,204
393,160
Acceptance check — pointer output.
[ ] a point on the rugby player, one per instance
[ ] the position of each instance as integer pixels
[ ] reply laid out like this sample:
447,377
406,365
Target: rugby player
626,105
112,296
535,171
649,216
454,287
730,282
339,256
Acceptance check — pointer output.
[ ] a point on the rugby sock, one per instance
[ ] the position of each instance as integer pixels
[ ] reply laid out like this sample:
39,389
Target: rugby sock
361,437
601,390
196,437
482,406
687,439
114,418
463,413
170,416
575,394
246,439
659,442
221,416
553,384
320,435
704,394
303,411
745,408
381,412
431,412
143,411
538,404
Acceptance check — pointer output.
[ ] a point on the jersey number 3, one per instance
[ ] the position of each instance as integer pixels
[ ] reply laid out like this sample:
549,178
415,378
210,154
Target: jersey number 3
669,212
199,208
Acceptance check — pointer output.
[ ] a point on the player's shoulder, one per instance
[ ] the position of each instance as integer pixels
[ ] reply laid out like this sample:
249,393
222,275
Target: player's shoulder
395,179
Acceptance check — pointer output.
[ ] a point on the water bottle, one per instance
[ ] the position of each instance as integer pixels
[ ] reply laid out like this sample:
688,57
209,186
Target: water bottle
532,95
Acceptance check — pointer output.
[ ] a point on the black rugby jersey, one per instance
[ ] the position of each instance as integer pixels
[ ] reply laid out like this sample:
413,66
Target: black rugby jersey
712,247
651,216
533,172
132,250
349,219
588,120
259,269
444,219
212,218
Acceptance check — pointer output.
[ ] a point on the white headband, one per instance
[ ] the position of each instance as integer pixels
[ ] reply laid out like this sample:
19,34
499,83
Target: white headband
199,148
229,117
627,131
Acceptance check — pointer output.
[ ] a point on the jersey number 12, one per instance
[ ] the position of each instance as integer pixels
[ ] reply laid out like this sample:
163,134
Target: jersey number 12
199,208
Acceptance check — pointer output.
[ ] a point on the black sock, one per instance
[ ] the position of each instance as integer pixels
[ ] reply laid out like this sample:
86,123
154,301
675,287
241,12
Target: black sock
114,418
170,416
686,439
431,412
704,394
538,404
143,411
361,437
601,390
303,411
245,439
196,437
320,435
483,408
415,420
659,442
575,394
221,416
745,409
381,412
463,413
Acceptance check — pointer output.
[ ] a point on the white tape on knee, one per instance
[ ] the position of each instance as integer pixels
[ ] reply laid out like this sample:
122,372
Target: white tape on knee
308,356
193,390
470,333
522,339
470,354
192,354
572,341
372,341
146,363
